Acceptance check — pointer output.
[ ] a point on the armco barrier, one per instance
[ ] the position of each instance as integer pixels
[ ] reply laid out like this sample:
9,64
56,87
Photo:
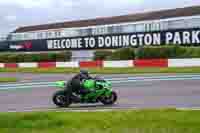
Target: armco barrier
151,63
10,65
108,64
183,62
47,64
128,63
90,64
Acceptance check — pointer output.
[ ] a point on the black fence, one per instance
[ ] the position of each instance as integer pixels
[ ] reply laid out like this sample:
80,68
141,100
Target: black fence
4,46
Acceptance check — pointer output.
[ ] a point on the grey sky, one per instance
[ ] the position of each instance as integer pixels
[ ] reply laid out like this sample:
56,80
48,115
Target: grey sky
15,13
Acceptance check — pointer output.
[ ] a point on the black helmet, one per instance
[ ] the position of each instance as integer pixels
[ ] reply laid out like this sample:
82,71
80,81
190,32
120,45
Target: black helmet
84,72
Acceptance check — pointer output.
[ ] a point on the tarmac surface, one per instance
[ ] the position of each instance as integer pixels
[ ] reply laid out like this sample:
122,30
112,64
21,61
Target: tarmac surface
151,94
29,77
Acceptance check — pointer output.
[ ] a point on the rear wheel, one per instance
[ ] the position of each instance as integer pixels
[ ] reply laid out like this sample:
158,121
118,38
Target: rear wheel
60,99
110,100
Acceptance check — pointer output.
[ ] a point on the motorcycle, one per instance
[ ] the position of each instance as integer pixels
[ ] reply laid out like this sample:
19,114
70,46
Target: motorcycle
100,90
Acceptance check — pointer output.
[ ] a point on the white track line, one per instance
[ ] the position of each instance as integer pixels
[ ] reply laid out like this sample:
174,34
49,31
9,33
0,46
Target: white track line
99,110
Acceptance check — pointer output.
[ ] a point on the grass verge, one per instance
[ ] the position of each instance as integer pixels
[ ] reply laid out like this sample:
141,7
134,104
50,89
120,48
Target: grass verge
3,80
140,121
106,70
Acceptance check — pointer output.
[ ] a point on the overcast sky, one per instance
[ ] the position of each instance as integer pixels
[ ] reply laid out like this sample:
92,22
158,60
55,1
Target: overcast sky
16,13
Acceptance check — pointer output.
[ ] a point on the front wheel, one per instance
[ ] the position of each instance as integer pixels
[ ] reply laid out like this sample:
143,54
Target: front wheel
60,99
110,100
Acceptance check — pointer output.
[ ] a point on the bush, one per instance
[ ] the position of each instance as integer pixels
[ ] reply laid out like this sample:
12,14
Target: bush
150,52
29,57
172,51
67,55
122,54
3,57
12,58
47,57
119,54
168,52
101,54
35,57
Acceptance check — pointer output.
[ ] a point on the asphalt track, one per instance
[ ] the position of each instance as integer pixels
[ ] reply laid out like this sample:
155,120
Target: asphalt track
152,94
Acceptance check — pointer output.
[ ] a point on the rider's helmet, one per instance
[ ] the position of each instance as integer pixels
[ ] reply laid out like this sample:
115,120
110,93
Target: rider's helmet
84,72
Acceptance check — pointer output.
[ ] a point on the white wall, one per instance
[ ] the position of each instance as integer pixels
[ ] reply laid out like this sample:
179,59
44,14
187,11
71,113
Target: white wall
128,63
67,64
28,65
1,65
183,62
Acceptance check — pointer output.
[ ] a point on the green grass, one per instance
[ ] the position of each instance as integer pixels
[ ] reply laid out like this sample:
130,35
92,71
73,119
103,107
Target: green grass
140,121
107,70
2,80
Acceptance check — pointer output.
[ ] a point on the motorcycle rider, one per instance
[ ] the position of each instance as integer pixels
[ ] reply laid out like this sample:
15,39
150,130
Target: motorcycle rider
75,84
78,79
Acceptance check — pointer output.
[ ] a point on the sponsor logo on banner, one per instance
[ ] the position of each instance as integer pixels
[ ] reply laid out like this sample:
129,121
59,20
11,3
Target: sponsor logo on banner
24,45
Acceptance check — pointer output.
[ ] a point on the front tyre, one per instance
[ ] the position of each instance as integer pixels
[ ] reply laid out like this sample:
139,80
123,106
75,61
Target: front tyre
60,100
110,100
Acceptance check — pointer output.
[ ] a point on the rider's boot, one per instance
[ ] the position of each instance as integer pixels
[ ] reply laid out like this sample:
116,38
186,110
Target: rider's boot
76,98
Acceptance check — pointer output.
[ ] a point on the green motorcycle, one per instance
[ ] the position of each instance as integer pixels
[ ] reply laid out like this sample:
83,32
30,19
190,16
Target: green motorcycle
99,91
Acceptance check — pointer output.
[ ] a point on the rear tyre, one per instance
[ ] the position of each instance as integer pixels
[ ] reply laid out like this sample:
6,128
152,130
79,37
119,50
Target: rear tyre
60,99
110,100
